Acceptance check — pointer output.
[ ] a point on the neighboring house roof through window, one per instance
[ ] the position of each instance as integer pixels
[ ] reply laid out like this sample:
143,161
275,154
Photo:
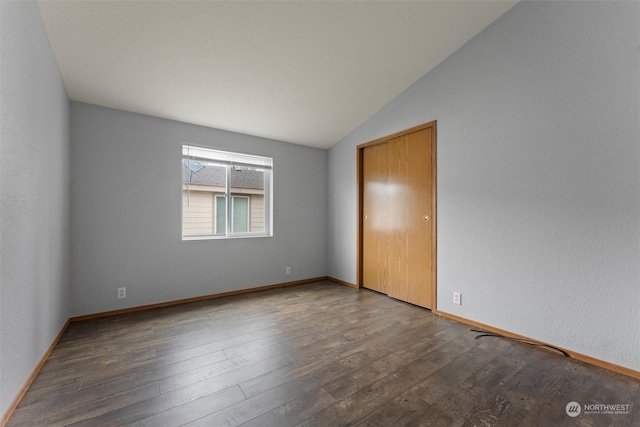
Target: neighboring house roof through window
198,173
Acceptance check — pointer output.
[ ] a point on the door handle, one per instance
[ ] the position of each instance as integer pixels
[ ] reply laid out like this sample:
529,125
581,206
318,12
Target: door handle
426,217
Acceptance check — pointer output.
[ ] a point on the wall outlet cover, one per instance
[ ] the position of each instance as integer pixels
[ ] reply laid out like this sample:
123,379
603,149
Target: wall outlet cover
457,298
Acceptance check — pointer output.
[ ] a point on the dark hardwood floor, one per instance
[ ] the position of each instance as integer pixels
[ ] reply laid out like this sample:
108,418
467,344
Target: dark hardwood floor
318,354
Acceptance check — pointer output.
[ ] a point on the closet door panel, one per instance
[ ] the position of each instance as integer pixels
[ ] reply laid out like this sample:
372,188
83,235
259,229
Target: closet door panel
375,218
419,221
397,252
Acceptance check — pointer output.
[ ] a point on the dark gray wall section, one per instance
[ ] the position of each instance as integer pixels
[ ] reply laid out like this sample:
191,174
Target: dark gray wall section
538,176
34,196
126,214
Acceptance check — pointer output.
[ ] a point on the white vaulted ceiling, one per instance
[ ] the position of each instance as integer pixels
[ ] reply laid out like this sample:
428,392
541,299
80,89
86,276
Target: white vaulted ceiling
304,72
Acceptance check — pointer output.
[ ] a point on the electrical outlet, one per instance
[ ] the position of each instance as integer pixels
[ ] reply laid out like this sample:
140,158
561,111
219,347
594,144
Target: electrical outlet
457,298
287,270
122,293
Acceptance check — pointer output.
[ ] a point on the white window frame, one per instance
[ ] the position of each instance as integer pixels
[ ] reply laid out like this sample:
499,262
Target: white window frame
229,159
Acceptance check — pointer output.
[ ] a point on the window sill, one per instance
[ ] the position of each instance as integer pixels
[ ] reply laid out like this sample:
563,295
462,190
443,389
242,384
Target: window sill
243,236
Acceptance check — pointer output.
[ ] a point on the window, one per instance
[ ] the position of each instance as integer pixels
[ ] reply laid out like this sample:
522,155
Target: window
210,178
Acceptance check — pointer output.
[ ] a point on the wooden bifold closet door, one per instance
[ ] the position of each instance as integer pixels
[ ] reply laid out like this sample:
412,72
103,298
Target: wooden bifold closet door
397,238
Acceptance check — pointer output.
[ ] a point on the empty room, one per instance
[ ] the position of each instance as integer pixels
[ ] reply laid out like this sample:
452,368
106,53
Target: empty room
319,213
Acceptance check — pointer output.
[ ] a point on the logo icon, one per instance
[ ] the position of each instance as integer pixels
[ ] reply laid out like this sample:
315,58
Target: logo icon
573,409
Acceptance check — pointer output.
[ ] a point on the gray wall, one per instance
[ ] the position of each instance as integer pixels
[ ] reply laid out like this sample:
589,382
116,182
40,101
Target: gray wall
34,196
126,214
538,176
